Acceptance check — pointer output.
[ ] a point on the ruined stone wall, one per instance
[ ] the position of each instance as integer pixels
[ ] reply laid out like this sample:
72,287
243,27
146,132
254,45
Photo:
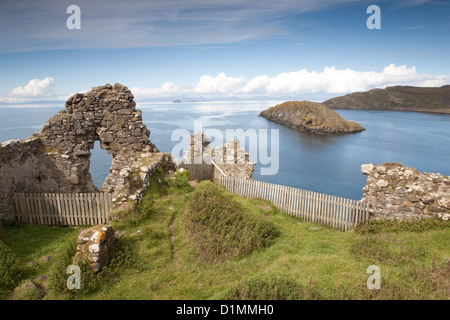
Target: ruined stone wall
57,158
95,246
230,157
6,207
28,166
398,192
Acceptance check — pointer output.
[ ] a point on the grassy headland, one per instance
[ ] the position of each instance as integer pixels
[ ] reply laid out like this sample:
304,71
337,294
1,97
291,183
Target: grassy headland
396,98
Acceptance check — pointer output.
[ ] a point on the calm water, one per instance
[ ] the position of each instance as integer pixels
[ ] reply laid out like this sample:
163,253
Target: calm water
328,164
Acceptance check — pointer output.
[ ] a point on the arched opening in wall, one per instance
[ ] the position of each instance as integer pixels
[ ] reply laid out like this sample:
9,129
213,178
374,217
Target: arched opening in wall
99,165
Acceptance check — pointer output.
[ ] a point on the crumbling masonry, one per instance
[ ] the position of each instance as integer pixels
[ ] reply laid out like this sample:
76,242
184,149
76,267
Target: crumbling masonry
57,158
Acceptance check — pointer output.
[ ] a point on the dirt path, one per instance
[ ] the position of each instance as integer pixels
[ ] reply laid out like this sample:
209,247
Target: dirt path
172,238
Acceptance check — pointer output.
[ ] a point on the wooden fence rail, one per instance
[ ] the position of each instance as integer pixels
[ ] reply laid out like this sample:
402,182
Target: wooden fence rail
70,209
336,212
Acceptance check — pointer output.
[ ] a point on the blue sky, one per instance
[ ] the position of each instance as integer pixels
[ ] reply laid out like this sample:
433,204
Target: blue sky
163,50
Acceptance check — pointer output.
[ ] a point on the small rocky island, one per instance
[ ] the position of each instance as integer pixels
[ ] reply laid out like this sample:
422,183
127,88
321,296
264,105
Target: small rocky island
310,117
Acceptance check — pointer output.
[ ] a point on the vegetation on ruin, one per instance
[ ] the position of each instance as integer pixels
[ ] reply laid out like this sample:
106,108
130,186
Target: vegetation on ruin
394,225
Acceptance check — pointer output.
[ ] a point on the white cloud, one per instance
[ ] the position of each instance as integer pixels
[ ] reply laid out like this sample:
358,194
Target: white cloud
256,85
329,82
167,89
335,81
219,84
34,88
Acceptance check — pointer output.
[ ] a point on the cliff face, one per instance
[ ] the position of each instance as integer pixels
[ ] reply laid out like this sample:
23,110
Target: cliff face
397,98
310,117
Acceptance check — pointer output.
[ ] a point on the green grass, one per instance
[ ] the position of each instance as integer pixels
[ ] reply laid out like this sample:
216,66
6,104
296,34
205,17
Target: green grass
9,269
157,259
26,248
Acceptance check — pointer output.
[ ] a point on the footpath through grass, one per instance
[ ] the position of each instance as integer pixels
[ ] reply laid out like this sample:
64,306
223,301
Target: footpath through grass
161,254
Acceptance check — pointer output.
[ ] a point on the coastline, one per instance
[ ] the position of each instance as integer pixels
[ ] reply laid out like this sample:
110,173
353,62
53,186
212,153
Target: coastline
401,110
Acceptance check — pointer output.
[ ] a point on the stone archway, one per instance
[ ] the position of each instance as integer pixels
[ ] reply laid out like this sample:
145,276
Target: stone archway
57,159
107,114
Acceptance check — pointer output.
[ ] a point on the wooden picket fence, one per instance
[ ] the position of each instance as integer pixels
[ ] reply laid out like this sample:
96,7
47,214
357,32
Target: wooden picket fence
336,212
71,209
200,172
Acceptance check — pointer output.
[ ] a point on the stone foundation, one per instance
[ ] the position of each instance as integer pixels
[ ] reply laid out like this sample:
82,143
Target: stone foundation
398,192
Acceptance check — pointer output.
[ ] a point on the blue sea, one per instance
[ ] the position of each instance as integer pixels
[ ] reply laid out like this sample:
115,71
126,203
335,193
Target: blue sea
327,164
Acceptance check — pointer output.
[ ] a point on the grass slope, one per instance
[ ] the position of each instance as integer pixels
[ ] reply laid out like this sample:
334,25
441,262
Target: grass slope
158,261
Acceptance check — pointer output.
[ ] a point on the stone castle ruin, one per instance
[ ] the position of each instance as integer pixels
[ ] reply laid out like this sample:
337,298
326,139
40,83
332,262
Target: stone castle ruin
57,159
229,159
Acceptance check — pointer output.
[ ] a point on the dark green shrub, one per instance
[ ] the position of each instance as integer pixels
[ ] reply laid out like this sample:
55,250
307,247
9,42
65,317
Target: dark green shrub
220,228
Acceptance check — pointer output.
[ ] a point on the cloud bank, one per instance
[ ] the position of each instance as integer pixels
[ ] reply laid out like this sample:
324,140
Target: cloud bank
329,82
300,85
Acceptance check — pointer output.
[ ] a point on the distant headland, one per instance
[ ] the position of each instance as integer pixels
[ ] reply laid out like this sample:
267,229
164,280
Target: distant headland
396,98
